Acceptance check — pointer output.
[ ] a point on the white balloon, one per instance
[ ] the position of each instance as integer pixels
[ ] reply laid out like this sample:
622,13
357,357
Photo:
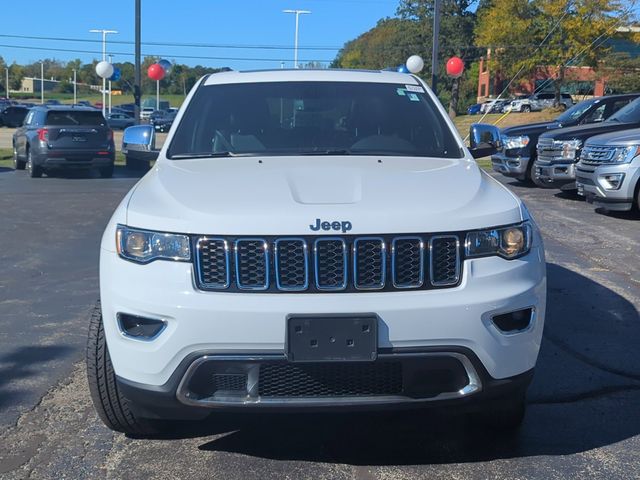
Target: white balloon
415,63
104,69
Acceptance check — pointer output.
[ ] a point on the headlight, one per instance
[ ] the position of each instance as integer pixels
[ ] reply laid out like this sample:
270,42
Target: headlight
515,142
507,242
625,154
568,148
144,246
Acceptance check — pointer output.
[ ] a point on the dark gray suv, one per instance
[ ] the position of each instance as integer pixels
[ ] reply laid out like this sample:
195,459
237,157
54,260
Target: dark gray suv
64,137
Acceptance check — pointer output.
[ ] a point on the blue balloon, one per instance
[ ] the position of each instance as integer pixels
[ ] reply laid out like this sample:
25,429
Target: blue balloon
403,68
116,74
166,66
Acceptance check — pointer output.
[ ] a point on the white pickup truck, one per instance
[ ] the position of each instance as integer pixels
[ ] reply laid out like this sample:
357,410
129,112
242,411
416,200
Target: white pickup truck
315,239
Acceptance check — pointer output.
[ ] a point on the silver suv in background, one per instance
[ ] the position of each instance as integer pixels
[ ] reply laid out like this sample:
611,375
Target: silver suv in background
608,174
540,101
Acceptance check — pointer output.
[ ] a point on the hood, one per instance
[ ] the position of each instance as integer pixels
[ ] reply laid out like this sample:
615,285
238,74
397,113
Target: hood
582,132
529,128
619,138
287,196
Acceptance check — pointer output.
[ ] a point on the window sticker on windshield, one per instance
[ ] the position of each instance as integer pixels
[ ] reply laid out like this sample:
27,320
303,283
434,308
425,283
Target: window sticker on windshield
413,97
414,88
400,92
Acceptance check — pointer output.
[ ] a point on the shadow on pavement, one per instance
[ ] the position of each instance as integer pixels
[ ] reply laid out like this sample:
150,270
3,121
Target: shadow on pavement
17,367
633,214
571,195
5,169
585,395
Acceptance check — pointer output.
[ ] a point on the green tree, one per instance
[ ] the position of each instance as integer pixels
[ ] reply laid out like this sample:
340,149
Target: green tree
388,44
566,31
457,23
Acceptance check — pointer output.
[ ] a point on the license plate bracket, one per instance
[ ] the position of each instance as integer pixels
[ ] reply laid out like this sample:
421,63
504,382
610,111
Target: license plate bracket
339,338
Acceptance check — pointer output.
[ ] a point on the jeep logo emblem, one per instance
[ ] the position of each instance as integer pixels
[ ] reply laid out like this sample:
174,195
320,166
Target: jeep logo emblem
342,225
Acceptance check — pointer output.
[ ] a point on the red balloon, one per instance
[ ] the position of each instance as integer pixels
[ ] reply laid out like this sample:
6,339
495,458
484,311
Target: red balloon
156,72
455,67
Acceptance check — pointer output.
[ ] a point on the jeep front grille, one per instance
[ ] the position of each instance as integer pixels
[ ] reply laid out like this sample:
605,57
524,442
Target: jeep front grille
328,264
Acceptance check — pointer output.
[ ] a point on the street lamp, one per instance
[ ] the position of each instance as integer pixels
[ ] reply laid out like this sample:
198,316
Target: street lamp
41,82
75,86
110,61
104,58
295,47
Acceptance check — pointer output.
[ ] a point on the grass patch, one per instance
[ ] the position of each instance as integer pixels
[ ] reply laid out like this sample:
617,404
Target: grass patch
463,122
6,157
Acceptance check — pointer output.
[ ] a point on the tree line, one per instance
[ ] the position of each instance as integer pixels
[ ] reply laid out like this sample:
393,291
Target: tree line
179,81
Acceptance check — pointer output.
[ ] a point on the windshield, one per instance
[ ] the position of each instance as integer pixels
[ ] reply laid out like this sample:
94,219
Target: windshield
294,118
71,118
627,114
576,111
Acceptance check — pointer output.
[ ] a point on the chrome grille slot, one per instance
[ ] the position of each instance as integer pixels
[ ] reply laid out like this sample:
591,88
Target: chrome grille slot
445,260
597,154
252,264
319,264
291,264
213,262
547,150
369,263
330,263
407,262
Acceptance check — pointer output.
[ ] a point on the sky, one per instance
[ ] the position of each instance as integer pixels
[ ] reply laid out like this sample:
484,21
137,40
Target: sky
221,23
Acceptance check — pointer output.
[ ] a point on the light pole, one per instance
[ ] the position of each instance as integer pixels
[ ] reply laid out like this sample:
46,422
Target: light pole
295,45
104,57
41,82
75,86
434,51
110,61
7,84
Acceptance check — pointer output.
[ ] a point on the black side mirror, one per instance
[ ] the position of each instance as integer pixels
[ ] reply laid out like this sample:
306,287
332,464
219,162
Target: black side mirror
485,140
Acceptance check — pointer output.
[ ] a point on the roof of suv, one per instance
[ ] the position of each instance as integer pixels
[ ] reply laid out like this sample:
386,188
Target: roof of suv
310,75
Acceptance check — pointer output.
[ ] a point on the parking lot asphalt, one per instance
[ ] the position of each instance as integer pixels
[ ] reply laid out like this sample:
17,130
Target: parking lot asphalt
583,419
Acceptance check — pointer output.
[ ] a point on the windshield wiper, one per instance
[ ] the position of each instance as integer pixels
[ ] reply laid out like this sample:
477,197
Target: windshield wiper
184,156
324,152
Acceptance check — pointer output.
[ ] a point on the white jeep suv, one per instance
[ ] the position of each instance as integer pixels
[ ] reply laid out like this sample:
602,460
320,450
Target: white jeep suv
315,239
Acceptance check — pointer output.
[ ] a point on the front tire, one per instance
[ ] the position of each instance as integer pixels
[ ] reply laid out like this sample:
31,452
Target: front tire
106,172
526,108
135,165
112,408
17,163
34,171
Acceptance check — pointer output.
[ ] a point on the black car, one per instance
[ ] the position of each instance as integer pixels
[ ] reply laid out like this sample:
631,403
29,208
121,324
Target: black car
62,137
13,115
120,120
558,151
518,152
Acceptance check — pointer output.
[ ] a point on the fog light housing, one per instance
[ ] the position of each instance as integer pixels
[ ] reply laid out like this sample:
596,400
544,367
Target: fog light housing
514,321
611,181
140,328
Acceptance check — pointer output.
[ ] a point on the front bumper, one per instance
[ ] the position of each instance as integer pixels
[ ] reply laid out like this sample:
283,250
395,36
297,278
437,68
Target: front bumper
174,401
561,175
238,323
511,166
590,184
